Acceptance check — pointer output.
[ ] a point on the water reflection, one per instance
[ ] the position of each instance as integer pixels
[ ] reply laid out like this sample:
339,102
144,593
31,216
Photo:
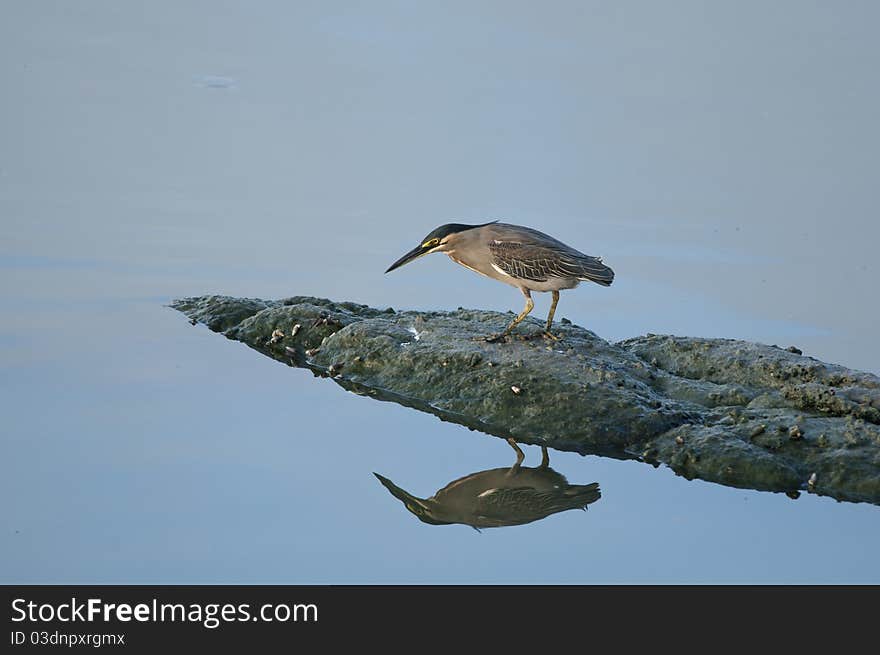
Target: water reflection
720,443
512,495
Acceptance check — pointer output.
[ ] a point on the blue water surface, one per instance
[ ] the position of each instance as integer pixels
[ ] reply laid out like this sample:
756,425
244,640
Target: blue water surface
722,159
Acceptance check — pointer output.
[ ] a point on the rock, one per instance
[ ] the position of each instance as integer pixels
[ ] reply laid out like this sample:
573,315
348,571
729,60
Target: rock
700,406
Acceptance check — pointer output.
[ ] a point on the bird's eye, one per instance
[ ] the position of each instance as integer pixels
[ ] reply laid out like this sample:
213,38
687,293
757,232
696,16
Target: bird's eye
431,243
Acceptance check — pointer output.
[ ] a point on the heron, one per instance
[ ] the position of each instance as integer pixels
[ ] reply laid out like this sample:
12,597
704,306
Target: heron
520,256
513,495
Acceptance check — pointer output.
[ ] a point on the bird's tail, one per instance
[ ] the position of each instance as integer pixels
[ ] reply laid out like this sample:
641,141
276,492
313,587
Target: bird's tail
592,269
583,494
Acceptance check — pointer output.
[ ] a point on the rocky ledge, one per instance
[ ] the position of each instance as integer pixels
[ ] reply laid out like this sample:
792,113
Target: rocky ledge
736,413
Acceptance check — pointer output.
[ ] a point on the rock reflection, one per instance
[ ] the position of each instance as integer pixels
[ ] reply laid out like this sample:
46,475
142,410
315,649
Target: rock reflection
512,495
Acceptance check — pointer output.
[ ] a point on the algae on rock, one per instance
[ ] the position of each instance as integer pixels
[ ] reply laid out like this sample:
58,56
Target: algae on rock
737,413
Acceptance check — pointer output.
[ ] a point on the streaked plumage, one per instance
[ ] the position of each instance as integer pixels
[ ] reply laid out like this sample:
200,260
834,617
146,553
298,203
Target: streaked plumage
498,497
520,256
527,254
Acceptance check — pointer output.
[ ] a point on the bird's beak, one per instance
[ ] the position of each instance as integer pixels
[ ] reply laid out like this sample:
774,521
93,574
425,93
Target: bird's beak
408,499
415,253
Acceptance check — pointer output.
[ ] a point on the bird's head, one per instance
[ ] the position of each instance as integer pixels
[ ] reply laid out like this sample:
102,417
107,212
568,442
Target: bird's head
418,506
441,239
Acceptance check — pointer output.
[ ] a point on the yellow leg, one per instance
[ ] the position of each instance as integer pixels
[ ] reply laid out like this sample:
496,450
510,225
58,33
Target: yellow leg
530,305
552,309
553,304
519,453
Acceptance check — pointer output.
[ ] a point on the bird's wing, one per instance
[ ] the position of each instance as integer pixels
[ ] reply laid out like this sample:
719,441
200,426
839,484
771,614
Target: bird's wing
528,259
526,503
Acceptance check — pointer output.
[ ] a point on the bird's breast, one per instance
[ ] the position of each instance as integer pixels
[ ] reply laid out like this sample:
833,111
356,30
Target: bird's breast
458,260
472,266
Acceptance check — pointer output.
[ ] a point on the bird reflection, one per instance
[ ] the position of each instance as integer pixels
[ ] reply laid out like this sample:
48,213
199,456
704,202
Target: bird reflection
512,495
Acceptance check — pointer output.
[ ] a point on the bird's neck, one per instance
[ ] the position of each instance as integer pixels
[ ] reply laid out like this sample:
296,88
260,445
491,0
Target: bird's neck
462,261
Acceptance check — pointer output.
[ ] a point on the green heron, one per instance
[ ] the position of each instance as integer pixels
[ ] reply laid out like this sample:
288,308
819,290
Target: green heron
513,495
520,256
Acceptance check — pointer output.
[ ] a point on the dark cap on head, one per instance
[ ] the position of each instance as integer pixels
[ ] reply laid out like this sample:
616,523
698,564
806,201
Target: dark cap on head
431,242
452,228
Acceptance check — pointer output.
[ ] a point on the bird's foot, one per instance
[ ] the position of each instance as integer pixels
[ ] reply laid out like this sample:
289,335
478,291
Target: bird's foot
495,338
547,334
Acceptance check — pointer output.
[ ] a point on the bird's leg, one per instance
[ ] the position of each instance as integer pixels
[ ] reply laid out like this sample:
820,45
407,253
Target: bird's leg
545,458
519,456
547,332
530,305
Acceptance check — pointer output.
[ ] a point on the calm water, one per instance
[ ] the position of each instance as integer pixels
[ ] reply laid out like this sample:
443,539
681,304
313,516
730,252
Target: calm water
723,160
